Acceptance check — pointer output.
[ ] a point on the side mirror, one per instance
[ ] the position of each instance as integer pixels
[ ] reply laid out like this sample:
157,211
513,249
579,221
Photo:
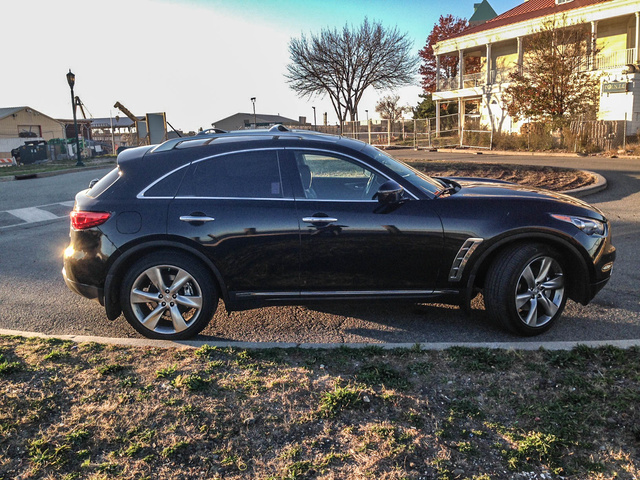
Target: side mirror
390,192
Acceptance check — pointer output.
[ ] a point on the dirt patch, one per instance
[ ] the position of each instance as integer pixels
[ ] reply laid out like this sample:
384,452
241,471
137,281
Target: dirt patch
550,178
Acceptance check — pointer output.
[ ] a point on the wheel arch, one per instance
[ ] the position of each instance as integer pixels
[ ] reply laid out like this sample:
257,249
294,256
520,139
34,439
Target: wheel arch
574,261
138,250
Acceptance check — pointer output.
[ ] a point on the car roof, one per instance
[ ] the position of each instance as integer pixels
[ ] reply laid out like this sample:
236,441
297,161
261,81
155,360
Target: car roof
215,136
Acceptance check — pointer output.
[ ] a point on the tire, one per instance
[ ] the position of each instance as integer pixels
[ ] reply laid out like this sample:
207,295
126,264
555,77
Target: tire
168,295
525,289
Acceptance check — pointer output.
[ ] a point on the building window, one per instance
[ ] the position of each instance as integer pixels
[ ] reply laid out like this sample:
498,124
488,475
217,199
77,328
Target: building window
560,2
29,131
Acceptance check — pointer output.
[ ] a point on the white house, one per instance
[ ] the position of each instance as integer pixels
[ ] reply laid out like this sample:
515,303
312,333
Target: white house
615,28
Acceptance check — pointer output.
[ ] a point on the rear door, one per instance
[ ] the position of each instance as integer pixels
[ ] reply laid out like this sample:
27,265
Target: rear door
237,207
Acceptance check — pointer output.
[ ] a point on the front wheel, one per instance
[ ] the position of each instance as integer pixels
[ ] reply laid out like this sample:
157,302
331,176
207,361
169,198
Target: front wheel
525,288
168,295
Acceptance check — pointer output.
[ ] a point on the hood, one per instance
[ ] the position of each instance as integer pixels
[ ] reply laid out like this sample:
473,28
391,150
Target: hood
484,187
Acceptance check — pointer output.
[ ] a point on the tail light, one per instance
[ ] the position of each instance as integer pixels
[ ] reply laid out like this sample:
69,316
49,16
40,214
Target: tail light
82,220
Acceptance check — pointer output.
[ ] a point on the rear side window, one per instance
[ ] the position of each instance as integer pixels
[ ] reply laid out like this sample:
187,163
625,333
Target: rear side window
239,175
104,183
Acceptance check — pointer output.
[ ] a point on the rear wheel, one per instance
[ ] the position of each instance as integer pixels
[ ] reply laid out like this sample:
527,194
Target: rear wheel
168,295
525,288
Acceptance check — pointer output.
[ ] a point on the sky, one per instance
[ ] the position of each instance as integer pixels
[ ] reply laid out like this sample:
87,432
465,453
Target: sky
197,60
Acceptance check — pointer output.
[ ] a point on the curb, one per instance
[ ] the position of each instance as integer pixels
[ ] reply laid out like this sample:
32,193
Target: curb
143,342
599,185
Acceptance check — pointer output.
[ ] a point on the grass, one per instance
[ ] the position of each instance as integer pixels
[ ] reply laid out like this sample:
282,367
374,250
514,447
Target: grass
94,411
57,165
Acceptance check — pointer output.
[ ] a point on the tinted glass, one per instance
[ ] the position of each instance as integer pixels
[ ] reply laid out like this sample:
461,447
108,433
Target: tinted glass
167,186
416,177
104,183
328,177
239,175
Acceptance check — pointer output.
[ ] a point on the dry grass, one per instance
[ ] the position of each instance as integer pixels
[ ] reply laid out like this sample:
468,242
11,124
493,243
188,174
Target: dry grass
92,411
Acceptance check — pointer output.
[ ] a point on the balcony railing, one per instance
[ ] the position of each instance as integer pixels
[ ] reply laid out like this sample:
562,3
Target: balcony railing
448,84
473,80
615,59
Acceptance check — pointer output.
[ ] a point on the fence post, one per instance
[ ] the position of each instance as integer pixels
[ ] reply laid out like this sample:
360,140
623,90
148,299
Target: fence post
415,135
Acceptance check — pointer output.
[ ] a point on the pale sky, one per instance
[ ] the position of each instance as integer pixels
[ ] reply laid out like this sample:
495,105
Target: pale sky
197,60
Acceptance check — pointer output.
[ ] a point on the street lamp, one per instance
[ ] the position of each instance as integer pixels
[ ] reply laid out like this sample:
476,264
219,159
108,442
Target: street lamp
255,121
71,80
314,118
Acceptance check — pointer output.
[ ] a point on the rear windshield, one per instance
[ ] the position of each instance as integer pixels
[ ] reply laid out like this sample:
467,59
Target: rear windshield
104,183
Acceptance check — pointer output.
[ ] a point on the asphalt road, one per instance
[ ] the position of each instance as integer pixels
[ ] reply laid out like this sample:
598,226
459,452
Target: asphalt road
33,296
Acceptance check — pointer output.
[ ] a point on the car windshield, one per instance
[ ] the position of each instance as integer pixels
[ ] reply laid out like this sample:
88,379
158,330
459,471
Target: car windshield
421,180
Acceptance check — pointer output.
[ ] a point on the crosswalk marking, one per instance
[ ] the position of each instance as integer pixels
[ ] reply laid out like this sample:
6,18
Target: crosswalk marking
41,213
32,214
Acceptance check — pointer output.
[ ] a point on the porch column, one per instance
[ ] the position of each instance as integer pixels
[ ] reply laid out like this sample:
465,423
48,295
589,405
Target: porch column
637,37
437,118
594,36
520,55
461,68
437,73
488,79
461,106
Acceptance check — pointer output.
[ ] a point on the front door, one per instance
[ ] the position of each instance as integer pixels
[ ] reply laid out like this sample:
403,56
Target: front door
350,243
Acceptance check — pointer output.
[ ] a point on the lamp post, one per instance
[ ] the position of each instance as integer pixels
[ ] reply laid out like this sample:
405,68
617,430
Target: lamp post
314,118
71,80
255,121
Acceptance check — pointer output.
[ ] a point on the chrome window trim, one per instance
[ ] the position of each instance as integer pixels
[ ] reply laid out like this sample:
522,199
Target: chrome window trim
141,196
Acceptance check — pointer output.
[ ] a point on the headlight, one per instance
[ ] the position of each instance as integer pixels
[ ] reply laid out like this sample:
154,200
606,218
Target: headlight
587,225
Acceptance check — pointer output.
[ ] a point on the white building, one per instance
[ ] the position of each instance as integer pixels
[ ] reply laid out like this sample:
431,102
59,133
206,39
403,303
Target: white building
615,27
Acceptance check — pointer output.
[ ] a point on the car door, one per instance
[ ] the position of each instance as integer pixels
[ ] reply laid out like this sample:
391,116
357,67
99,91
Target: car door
352,243
241,213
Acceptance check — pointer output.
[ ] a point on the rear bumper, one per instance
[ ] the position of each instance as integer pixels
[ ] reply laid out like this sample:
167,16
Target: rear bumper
88,291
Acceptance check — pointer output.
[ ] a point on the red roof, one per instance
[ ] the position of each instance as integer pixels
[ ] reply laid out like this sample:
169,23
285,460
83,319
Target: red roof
528,11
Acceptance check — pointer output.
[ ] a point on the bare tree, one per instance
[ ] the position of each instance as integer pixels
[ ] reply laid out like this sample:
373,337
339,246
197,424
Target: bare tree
555,83
344,63
389,109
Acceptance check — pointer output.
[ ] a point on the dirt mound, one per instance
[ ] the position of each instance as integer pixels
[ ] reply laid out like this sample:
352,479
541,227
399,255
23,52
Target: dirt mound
550,178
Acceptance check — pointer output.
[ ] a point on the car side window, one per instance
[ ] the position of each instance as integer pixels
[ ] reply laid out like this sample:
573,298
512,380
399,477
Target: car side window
329,177
238,175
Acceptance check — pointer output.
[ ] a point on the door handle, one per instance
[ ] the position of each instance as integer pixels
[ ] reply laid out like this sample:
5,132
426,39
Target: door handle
196,218
319,220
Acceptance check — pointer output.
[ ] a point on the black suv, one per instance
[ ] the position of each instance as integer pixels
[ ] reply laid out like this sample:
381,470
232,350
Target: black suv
290,217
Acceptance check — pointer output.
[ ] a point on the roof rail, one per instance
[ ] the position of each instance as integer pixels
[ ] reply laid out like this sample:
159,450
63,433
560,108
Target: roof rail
212,130
279,128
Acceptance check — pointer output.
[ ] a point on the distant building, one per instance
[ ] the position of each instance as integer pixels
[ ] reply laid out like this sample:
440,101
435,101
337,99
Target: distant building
20,124
242,121
499,46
